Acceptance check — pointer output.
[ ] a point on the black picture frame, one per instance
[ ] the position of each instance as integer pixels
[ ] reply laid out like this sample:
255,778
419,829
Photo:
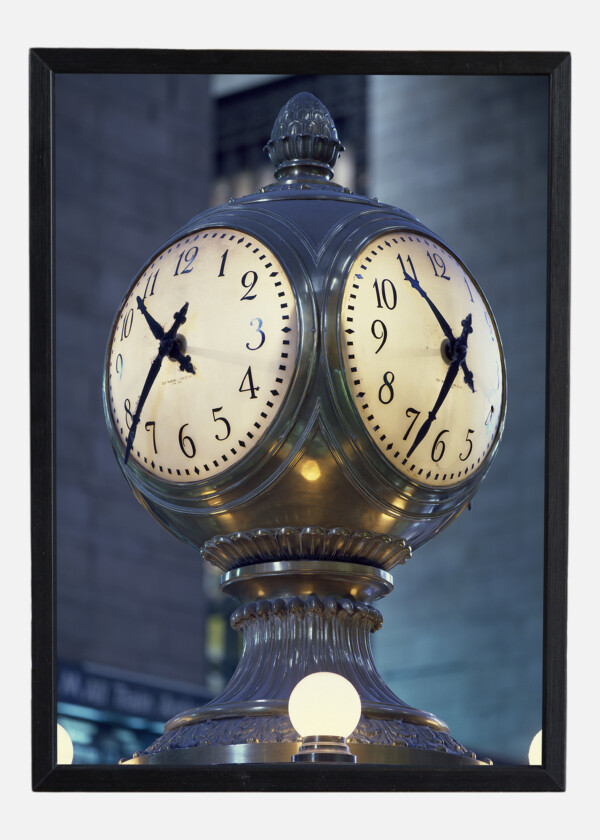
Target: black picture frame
45,64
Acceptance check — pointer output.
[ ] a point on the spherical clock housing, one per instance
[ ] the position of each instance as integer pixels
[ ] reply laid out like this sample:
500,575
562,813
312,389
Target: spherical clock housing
305,366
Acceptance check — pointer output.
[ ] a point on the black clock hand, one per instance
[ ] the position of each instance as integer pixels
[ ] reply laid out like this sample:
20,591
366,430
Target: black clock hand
165,348
185,362
157,330
468,376
152,374
447,384
459,352
412,279
446,329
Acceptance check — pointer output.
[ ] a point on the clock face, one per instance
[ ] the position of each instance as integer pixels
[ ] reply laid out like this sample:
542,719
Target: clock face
422,358
202,355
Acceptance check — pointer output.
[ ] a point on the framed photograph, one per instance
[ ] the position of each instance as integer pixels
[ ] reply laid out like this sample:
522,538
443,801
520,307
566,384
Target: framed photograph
133,153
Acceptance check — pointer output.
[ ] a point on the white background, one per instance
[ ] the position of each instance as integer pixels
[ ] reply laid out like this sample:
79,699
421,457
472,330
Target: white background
461,25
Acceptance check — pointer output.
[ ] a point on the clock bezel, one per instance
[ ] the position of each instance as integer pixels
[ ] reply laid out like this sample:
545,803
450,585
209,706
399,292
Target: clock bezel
251,474
379,479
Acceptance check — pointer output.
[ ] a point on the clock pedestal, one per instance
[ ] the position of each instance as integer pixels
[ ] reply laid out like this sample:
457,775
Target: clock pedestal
340,330
301,614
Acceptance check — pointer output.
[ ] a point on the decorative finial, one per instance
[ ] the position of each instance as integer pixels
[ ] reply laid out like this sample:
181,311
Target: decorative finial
304,140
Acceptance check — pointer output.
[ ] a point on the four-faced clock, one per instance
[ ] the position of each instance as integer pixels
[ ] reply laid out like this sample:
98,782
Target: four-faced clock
422,359
201,356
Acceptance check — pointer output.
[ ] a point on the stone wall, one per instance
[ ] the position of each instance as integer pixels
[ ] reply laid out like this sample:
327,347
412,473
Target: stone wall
133,155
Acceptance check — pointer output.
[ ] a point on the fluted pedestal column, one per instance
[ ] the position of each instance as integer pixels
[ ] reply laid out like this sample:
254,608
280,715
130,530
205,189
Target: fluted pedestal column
298,616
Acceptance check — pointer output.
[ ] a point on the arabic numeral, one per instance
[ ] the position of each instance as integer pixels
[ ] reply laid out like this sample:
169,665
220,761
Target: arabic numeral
148,286
439,447
188,257
411,277
187,445
437,262
469,289
119,365
488,419
251,386
383,333
221,420
410,411
386,389
470,442
223,260
128,413
126,325
387,294
151,424
249,282
259,323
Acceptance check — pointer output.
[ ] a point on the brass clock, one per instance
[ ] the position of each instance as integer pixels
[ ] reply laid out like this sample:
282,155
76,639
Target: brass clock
422,358
201,355
305,385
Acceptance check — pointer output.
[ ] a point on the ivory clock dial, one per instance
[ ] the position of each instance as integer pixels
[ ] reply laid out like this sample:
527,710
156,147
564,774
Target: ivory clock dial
422,358
241,336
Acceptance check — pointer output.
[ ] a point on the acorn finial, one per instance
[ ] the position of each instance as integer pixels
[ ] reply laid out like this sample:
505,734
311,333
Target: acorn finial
304,140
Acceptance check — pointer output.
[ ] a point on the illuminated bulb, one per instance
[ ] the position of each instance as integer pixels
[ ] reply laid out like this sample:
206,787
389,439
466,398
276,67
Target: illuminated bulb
64,746
310,470
535,750
324,709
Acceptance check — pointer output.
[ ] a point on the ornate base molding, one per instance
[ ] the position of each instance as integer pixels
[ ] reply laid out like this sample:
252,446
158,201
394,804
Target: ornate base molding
274,544
264,730
298,616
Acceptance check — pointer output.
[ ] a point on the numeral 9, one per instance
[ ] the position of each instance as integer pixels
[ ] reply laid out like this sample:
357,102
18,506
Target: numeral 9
383,333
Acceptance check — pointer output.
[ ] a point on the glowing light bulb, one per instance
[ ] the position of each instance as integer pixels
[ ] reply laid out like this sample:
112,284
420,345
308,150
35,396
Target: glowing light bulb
310,471
64,746
324,704
535,750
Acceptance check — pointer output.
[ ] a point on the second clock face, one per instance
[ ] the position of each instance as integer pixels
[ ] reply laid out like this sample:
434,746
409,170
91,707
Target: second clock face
422,358
202,355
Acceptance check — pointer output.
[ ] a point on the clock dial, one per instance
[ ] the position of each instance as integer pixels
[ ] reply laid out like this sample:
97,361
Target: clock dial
202,355
422,358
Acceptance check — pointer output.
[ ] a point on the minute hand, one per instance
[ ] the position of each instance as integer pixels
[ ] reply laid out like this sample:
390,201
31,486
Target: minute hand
447,384
460,349
165,347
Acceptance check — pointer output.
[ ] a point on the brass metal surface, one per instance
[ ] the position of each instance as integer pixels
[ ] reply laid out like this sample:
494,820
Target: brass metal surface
307,526
284,752
286,578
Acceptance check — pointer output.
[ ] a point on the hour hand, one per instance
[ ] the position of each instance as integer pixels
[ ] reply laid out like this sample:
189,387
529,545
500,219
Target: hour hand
185,362
157,330
468,376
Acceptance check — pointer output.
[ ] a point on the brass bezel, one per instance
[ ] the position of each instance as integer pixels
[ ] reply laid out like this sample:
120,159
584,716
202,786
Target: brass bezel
250,475
360,457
